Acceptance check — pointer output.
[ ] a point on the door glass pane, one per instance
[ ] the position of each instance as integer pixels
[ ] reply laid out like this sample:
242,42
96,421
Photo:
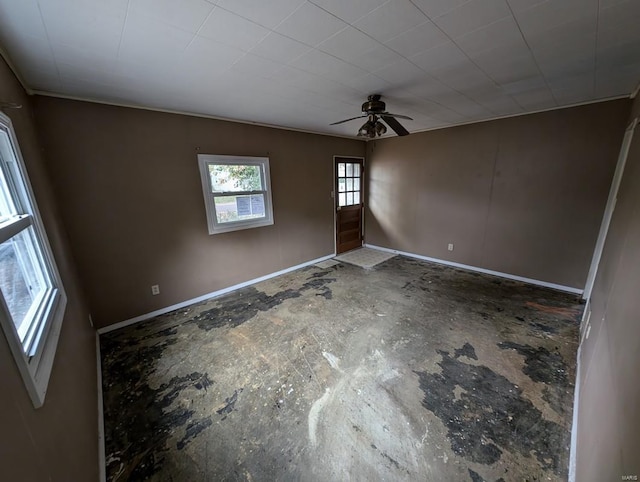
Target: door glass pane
349,198
342,185
356,184
356,170
23,278
342,199
349,169
229,178
356,197
341,169
349,184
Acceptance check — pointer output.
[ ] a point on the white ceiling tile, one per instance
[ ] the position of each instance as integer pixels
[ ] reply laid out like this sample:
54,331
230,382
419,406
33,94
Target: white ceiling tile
390,20
533,83
535,99
402,73
435,8
463,78
87,73
556,68
624,80
571,90
461,104
32,52
145,40
43,80
310,25
545,16
332,88
20,17
443,56
368,84
256,66
279,48
618,24
487,70
423,37
268,14
325,65
499,104
472,15
507,65
96,26
185,14
374,59
288,75
233,30
571,38
501,33
428,88
218,56
349,11
520,5
78,55
348,43
617,58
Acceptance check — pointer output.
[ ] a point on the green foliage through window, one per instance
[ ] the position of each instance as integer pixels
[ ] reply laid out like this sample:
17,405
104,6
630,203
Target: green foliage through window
235,178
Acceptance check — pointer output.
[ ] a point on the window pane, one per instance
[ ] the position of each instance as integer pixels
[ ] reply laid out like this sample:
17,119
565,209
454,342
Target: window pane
349,198
342,185
356,170
342,199
356,198
235,177
349,184
239,208
341,169
7,208
349,169
356,184
23,278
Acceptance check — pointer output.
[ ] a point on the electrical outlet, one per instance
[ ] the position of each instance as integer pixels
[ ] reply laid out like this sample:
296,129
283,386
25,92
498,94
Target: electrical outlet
450,247
155,290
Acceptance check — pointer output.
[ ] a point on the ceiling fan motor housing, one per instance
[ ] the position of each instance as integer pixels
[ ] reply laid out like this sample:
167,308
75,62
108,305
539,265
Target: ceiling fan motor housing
374,105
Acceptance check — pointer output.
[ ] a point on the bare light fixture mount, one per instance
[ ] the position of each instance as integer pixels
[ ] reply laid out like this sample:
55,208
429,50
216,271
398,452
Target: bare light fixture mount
375,110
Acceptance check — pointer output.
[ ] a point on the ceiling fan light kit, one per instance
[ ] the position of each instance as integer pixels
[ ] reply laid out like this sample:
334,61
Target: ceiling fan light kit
374,109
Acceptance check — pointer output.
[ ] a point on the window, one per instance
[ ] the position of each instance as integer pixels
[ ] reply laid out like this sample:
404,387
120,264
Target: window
349,178
237,192
32,300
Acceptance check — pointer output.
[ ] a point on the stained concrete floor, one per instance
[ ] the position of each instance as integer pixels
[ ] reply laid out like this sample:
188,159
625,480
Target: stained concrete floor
407,371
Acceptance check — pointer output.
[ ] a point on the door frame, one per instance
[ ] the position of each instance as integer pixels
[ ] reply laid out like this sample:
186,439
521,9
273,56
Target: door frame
334,197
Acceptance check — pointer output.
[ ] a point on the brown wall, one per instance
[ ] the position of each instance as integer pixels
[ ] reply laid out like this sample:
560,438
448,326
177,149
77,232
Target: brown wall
522,196
59,441
131,197
609,405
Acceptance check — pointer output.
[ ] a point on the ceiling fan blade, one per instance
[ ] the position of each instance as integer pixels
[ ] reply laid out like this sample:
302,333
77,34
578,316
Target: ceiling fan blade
399,116
347,120
395,125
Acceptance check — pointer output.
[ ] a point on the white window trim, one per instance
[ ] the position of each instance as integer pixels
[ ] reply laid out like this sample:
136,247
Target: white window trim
36,369
209,198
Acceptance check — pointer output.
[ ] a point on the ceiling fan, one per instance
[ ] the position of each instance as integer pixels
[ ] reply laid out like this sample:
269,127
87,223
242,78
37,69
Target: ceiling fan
374,109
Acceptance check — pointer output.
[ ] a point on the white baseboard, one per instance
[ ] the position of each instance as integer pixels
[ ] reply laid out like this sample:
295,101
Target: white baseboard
162,311
102,463
554,286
